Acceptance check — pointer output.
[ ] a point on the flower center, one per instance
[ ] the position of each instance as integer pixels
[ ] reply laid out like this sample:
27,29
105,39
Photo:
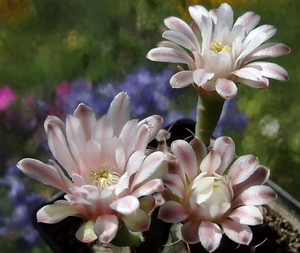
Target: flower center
217,47
103,176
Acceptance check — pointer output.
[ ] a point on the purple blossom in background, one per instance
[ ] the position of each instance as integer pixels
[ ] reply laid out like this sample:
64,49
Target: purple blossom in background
22,201
231,119
150,93
7,97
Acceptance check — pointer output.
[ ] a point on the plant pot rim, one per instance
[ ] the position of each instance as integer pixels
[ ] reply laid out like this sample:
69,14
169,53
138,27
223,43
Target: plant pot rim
285,205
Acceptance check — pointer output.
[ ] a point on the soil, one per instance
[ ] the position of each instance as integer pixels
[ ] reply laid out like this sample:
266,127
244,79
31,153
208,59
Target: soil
275,235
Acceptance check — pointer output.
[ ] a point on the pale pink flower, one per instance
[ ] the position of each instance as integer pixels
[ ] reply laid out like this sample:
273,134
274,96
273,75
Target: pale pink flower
220,52
214,193
107,178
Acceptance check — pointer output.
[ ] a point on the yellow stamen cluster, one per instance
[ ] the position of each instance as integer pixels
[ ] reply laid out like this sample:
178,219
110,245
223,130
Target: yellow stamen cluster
103,177
217,47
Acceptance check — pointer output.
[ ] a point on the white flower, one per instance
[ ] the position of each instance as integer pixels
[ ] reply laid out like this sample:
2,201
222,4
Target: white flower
107,178
219,52
214,193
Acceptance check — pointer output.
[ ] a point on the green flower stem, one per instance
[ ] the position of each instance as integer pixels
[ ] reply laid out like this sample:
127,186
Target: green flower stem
209,109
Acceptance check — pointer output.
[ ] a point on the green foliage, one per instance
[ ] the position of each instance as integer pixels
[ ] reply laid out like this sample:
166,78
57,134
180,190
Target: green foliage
63,40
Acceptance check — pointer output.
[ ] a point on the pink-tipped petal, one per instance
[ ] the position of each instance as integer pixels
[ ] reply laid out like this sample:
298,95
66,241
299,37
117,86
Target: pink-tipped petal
87,119
210,235
210,163
148,188
237,232
178,38
60,148
271,70
202,76
164,54
255,195
175,184
147,130
224,13
189,232
260,176
249,215
182,79
44,173
264,82
186,155
106,227
242,168
86,232
154,166
265,50
73,199
226,88
199,149
126,205
248,20
56,212
119,111
172,212
177,24
226,149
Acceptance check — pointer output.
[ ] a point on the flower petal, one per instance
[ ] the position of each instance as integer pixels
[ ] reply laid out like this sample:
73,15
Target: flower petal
177,24
86,232
175,184
226,88
164,54
189,232
186,156
56,212
210,163
182,79
210,235
87,119
260,176
148,188
178,38
265,50
126,205
59,146
44,173
154,166
249,215
237,232
271,70
172,212
248,20
242,168
201,76
226,149
106,227
138,222
119,112
255,195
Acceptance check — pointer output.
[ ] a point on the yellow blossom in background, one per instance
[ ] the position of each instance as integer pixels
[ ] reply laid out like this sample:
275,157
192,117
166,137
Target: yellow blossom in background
74,39
14,11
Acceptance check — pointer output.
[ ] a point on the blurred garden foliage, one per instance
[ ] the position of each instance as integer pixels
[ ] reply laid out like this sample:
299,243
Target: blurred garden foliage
44,43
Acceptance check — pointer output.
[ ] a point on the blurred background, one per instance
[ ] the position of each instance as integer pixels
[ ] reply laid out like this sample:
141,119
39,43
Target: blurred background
55,54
